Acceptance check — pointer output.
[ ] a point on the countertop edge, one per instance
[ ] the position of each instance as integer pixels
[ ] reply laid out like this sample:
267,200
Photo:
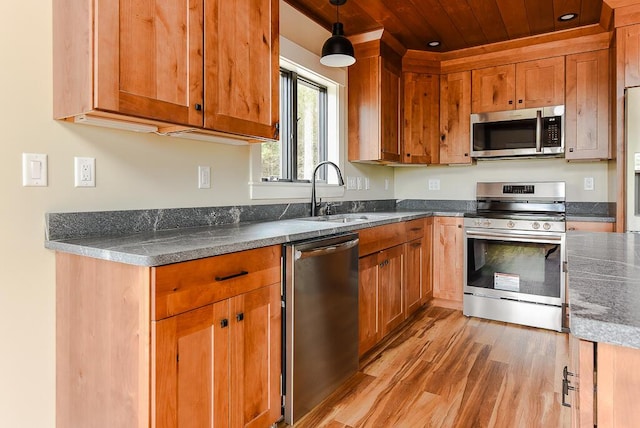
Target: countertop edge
112,252
605,332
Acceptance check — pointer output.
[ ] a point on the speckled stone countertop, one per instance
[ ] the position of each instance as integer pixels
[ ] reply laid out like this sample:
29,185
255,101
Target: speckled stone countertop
604,287
155,248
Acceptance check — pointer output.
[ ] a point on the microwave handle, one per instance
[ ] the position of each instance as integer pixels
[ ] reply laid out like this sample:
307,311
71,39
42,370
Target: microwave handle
538,131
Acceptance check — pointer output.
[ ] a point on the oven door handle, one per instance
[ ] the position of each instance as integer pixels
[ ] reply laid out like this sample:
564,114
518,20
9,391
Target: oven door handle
542,238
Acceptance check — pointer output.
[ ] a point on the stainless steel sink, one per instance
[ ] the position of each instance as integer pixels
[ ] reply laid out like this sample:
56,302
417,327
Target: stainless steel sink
346,218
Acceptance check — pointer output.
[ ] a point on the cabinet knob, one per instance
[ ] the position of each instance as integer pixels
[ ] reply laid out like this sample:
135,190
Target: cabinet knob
198,107
408,155
276,133
510,101
224,323
240,316
571,149
466,154
442,137
519,101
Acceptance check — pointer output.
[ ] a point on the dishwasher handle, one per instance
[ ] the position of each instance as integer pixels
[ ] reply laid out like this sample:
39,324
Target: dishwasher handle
328,249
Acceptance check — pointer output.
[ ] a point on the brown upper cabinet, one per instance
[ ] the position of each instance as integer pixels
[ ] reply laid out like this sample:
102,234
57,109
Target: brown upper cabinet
420,141
527,84
374,103
587,106
210,65
455,106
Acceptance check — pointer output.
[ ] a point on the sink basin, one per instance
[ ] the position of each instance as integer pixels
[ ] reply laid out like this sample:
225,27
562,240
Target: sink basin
345,218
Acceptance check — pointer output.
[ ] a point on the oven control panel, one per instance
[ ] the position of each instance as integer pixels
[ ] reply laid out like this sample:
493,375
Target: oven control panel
521,225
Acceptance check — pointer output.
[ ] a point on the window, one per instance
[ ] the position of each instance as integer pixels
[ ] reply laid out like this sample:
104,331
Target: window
303,137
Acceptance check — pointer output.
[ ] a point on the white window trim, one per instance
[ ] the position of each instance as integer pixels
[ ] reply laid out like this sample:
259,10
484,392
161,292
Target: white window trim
307,64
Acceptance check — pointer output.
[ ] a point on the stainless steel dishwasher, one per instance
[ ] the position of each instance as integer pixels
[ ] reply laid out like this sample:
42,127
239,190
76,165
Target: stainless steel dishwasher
320,320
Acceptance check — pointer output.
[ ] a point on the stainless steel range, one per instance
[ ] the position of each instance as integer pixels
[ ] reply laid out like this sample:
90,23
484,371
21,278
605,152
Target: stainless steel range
515,250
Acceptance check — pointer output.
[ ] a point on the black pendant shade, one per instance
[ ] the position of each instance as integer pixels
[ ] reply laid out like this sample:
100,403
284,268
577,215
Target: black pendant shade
337,51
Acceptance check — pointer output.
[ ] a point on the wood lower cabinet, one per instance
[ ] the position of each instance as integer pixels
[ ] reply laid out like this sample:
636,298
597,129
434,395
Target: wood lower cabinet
455,111
169,63
448,259
536,83
605,381
374,103
215,366
185,345
587,131
390,284
392,280
381,296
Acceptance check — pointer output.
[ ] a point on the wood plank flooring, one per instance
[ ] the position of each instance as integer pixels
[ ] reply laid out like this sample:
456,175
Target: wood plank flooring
443,369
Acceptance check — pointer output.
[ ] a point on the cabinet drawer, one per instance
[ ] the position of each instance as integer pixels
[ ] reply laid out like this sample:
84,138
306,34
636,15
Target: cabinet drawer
414,229
184,286
380,237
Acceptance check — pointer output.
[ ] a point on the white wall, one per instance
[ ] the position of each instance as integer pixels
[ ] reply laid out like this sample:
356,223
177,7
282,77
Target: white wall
459,182
133,172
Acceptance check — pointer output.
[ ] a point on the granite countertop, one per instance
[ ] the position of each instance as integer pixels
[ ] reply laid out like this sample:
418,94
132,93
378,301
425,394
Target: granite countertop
604,287
155,248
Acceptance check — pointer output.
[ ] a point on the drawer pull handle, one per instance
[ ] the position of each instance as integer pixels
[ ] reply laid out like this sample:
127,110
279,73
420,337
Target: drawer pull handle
235,275
224,323
240,317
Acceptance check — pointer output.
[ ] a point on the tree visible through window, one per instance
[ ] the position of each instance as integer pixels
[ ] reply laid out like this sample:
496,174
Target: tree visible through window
303,136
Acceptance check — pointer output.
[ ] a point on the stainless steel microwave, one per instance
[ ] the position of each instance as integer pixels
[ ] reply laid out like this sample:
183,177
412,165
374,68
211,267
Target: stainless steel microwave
524,132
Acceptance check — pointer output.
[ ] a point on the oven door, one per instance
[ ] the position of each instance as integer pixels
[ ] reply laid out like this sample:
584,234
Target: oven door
520,266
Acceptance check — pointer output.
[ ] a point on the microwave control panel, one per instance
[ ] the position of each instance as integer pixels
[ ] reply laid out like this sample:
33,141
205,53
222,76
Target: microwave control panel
552,131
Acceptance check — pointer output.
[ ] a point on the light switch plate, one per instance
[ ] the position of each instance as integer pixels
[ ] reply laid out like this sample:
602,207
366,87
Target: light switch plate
204,177
34,169
434,184
588,183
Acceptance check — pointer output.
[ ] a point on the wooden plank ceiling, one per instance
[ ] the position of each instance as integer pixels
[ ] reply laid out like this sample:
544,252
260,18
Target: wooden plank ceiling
457,24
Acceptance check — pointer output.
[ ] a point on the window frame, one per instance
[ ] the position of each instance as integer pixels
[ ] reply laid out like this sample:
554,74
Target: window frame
289,80
307,63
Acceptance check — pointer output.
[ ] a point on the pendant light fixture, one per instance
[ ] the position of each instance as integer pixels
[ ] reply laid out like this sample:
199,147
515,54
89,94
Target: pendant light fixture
337,50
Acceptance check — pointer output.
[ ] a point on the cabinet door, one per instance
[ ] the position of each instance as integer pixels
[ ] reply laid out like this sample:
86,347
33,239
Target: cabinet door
368,322
455,111
390,113
420,142
581,364
190,379
493,89
414,268
629,43
149,59
390,284
255,357
374,106
427,260
587,106
448,257
242,67
540,83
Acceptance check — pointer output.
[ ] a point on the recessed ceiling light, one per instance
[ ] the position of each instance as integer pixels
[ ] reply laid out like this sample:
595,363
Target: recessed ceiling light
567,17
434,43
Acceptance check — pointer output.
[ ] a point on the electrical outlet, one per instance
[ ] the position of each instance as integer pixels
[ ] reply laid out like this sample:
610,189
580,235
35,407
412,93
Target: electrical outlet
588,183
367,184
434,184
84,172
34,169
359,183
386,184
204,177
351,183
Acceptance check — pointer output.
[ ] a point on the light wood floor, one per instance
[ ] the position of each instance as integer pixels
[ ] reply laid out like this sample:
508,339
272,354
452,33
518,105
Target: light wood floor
446,370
